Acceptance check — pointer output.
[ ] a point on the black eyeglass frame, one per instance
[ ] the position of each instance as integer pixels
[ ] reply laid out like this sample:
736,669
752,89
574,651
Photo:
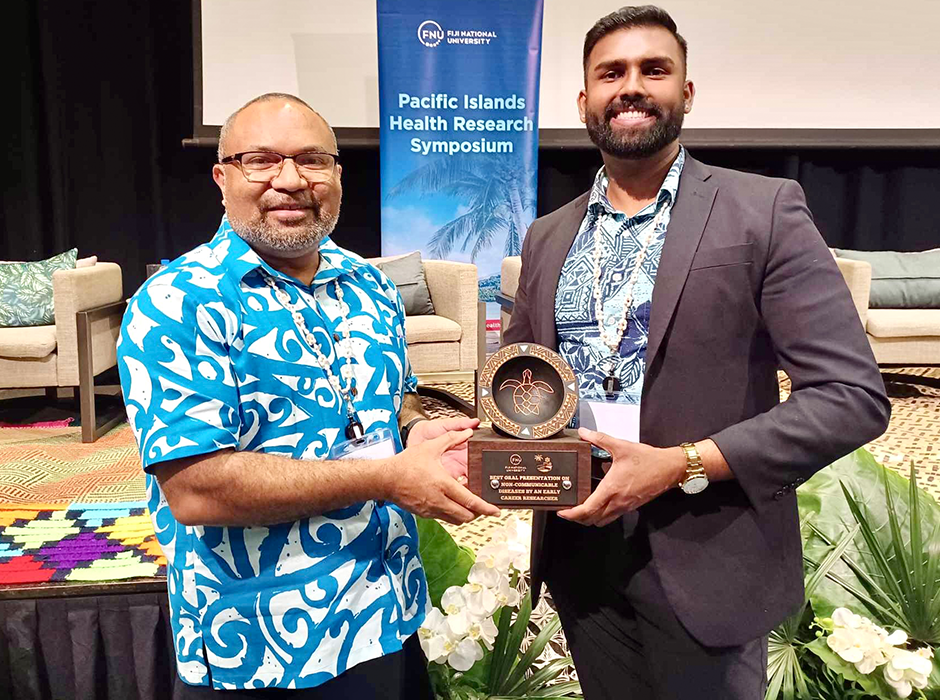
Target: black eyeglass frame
236,160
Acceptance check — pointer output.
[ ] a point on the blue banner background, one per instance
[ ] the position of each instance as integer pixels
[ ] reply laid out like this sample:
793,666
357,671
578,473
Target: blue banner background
457,205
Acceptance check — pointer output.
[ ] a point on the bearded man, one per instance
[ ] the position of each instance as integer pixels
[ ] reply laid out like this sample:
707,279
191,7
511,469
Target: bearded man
267,382
702,283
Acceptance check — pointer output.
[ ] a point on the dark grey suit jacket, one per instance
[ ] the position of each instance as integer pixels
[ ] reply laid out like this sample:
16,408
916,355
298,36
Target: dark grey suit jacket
745,285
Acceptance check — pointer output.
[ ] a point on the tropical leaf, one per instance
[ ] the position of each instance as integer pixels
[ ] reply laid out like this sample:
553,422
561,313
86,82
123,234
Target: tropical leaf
524,664
509,649
785,674
888,569
445,563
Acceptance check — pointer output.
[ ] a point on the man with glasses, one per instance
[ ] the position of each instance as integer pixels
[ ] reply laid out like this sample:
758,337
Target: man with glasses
266,379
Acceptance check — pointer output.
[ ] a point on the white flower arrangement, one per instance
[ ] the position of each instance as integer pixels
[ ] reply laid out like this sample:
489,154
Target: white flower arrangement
860,642
458,632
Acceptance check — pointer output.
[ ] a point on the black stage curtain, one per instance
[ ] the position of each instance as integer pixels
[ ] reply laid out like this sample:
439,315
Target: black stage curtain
105,647
95,157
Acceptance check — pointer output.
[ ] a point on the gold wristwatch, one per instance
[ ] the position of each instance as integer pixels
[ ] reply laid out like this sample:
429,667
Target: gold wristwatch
695,479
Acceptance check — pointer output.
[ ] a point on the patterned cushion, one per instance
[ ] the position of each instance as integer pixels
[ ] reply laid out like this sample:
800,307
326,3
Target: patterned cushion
26,290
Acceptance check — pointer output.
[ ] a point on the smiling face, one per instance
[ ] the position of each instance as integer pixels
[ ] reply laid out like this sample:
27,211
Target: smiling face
286,217
635,93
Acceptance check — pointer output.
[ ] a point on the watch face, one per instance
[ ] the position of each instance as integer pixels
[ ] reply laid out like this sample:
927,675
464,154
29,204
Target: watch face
696,484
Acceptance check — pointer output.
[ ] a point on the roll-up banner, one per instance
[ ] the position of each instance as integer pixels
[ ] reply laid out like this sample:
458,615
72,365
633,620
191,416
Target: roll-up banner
458,105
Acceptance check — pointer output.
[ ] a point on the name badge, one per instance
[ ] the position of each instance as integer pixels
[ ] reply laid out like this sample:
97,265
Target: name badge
378,444
619,420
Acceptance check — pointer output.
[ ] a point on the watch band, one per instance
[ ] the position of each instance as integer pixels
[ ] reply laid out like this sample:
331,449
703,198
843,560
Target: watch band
694,469
406,429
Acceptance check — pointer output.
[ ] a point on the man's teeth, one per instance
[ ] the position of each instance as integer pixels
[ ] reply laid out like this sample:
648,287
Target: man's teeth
632,114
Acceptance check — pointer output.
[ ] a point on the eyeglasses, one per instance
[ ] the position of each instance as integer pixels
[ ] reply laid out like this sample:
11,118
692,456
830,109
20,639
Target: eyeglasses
264,166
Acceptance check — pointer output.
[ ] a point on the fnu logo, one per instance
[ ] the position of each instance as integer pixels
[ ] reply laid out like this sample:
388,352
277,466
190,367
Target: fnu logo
430,33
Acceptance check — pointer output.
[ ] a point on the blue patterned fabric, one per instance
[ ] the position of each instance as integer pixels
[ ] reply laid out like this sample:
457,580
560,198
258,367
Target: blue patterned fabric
579,341
210,360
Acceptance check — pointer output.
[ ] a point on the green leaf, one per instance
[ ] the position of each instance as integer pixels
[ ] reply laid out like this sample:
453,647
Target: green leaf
445,563
513,644
567,689
542,677
887,570
503,618
533,652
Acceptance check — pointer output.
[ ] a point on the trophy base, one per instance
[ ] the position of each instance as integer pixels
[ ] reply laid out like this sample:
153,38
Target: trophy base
547,474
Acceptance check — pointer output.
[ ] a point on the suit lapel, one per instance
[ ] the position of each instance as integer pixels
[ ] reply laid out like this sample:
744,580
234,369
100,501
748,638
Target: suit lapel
687,221
554,260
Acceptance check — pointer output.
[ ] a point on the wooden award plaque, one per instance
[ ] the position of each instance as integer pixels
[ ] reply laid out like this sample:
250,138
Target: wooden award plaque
528,459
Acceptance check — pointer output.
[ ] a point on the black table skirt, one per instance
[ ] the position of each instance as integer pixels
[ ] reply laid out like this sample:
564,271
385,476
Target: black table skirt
87,647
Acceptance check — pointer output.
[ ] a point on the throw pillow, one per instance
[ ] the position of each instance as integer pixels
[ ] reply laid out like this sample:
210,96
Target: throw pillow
26,290
901,280
407,273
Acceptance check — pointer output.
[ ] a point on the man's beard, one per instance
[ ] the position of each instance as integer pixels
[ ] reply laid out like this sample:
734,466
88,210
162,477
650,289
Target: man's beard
285,237
636,143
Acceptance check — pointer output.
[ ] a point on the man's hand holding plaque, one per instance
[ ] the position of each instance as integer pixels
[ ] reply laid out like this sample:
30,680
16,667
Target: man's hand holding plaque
528,459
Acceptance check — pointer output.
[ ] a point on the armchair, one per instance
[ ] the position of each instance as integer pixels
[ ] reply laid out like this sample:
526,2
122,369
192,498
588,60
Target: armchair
444,347
82,343
899,337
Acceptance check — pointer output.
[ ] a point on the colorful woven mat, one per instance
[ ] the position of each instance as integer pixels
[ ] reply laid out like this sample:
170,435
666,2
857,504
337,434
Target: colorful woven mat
73,511
77,542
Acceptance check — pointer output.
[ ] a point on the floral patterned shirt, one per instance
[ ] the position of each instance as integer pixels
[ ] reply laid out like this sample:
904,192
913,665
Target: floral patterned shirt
579,341
210,360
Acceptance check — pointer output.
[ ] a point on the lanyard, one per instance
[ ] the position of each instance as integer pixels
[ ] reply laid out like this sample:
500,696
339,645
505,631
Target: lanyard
612,340
347,392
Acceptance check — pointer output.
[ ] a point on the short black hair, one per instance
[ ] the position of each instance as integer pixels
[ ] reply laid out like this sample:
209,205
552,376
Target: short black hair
628,17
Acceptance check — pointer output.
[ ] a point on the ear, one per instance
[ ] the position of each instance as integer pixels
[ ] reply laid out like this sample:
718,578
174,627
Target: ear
582,106
218,175
688,92
339,172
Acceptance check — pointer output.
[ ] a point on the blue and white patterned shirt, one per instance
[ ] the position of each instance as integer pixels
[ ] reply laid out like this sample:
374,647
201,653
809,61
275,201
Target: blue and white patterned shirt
210,360
579,341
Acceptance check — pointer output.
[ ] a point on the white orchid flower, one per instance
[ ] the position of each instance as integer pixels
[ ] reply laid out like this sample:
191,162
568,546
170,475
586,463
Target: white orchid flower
481,600
862,647
466,653
433,636
459,623
453,601
486,576
495,556
906,670
506,594
515,536
515,530
485,631
843,617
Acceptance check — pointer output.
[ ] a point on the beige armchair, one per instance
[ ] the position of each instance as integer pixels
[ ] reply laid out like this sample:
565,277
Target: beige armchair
907,337
444,347
82,343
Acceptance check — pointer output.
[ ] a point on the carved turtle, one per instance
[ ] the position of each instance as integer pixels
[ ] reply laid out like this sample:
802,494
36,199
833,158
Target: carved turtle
527,395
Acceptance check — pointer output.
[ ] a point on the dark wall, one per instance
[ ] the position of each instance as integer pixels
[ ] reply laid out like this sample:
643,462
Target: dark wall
94,158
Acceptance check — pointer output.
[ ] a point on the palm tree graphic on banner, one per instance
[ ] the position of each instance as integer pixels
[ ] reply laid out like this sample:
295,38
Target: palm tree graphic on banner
500,194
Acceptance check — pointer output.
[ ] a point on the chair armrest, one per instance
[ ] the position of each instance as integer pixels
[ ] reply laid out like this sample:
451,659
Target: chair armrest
83,289
509,273
857,275
454,292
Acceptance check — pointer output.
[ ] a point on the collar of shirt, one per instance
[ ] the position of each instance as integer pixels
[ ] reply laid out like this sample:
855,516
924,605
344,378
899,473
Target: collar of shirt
598,203
241,259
